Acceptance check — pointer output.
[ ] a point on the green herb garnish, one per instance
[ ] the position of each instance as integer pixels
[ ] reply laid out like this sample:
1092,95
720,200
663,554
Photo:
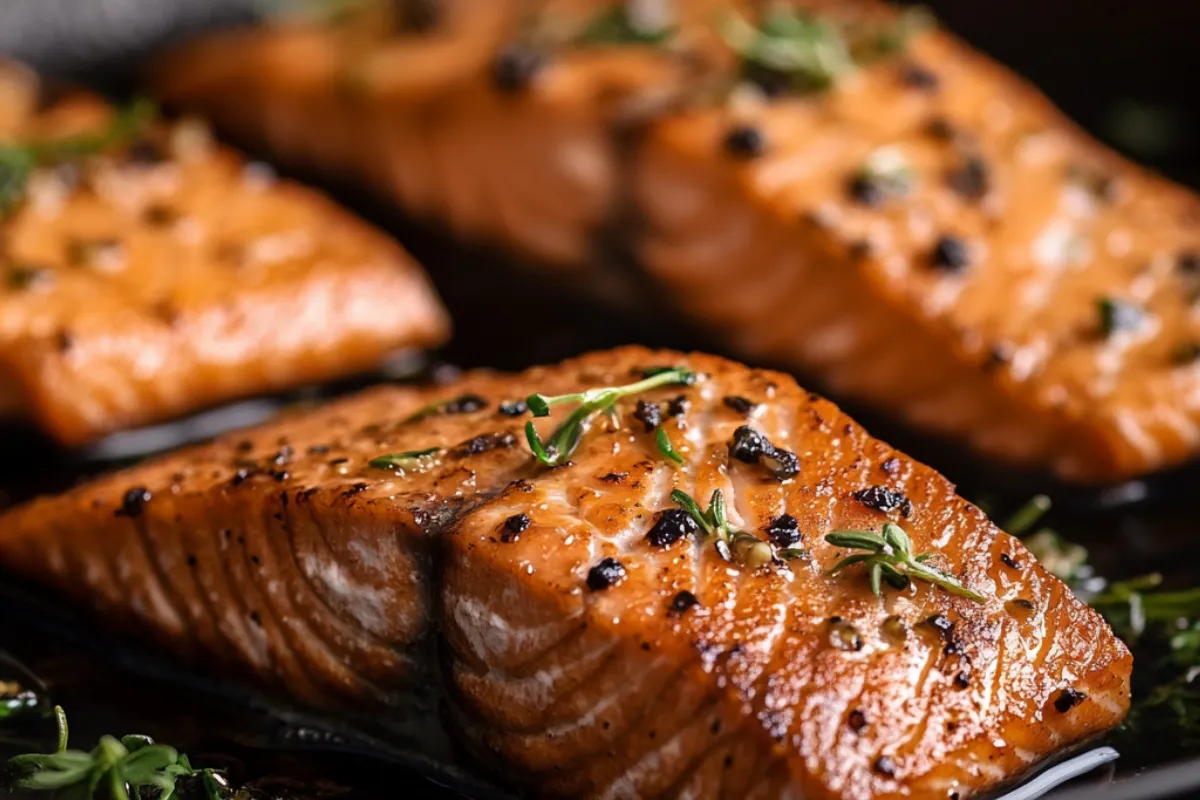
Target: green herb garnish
732,545
665,447
808,50
888,169
117,769
1028,515
409,459
17,162
889,557
630,22
562,442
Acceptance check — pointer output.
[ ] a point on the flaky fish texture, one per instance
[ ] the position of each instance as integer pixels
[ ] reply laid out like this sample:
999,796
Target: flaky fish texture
592,642
160,274
926,234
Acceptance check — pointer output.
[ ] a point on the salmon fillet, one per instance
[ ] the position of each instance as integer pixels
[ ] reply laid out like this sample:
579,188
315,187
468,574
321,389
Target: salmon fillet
164,274
592,641
928,237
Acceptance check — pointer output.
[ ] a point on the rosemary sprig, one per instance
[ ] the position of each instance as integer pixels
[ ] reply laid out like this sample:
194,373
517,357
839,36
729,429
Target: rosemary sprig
18,161
557,449
889,558
731,544
117,769
408,459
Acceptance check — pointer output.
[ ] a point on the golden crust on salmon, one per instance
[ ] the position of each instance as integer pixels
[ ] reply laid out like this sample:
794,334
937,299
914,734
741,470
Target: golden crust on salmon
165,274
927,235
595,643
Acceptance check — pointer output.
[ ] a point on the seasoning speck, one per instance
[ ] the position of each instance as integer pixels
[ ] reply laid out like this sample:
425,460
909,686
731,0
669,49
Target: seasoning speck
1118,315
971,179
739,404
784,531
513,408
516,67
671,526
950,254
745,141
885,766
918,76
649,414
1067,699
514,526
1008,561
857,720
608,572
684,601
134,502
843,635
881,498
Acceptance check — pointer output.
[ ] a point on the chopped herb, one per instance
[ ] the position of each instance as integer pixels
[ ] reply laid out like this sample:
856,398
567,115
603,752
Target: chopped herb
630,22
665,447
132,766
562,442
889,557
1118,315
17,162
730,544
409,459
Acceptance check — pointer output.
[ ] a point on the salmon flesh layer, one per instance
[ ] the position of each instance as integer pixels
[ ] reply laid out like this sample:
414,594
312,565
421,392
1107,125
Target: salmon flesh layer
596,638
890,212
146,273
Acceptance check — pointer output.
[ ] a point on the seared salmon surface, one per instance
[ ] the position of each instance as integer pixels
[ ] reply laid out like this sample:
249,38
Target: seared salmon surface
159,274
594,638
820,184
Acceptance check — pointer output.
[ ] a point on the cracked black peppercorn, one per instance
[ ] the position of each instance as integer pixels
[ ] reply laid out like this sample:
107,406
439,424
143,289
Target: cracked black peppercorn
971,179
867,190
1067,699
1189,262
784,531
857,720
1008,561
133,504
881,498
751,447
919,77
950,254
671,526
513,408
514,526
515,68
739,404
745,141
608,572
649,414
683,601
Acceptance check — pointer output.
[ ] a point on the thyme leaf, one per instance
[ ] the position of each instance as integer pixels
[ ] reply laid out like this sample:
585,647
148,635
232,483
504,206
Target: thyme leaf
408,459
557,449
664,445
889,557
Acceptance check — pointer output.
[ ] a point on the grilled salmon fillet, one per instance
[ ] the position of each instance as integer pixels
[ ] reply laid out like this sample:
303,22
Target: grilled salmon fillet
922,233
161,274
593,641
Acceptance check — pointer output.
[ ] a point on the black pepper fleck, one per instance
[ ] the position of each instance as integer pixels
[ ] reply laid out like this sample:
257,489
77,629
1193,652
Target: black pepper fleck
671,526
1008,561
514,526
885,766
649,414
739,404
866,190
918,76
784,531
1067,699
516,67
971,179
133,504
513,408
1189,262
950,254
678,406
745,141
1118,315
191,561
883,499
608,572
684,601
857,720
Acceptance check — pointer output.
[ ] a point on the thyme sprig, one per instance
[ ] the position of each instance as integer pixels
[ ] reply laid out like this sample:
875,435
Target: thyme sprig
889,558
557,449
18,161
731,544
117,769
